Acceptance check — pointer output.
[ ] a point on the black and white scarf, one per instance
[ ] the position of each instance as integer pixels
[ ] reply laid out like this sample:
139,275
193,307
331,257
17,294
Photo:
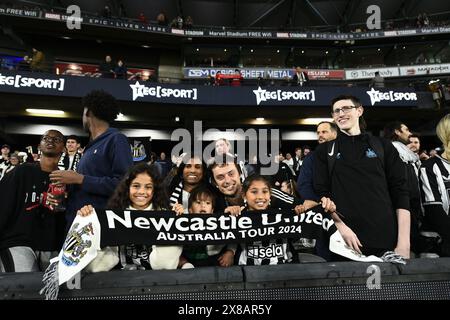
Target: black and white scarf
123,227
64,161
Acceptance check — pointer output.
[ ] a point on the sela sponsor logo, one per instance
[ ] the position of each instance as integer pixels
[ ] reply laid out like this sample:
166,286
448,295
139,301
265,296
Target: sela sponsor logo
139,90
272,251
19,81
377,96
280,95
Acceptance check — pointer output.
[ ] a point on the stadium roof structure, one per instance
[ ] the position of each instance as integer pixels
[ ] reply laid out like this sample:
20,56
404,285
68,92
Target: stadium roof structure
269,14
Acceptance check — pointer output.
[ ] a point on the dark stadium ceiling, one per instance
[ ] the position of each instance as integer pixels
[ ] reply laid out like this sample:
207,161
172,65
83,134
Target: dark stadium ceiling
273,14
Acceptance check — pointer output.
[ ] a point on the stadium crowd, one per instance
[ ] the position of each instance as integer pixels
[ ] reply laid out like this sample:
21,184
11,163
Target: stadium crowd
384,194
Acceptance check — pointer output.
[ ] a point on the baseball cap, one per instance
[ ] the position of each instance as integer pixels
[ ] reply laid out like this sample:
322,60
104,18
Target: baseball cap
6,146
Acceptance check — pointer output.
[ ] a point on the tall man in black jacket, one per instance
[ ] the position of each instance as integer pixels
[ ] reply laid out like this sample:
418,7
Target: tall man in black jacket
366,179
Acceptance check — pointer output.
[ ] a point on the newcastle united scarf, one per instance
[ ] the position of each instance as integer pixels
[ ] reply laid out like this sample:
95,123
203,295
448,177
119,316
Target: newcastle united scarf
121,227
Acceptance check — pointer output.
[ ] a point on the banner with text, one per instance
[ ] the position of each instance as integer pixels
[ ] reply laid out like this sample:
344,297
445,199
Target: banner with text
264,73
132,24
144,227
145,91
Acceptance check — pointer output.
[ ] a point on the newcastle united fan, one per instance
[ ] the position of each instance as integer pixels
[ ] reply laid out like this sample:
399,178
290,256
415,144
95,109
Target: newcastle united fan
203,200
8,166
399,134
69,160
298,160
6,149
105,160
326,131
31,232
414,146
190,174
140,189
225,175
256,190
365,177
435,178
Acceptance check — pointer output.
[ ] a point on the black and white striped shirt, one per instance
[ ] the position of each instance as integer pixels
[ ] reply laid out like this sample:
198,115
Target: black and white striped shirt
435,181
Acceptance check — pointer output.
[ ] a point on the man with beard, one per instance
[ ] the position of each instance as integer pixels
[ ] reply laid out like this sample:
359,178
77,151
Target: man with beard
399,134
30,231
326,131
105,160
226,176
414,146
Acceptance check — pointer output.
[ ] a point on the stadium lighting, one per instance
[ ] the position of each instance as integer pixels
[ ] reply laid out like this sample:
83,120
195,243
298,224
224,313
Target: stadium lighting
145,46
314,121
122,117
278,51
198,49
303,51
45,112
177,119
224,50
260,119
66,38
326,52
251,50
378,49
353,51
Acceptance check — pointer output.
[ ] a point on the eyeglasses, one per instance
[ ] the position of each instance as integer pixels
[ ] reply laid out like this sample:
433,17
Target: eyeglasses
52,139
344,109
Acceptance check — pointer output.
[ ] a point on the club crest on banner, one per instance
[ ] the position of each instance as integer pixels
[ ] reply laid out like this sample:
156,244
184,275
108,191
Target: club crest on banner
76,245
138,151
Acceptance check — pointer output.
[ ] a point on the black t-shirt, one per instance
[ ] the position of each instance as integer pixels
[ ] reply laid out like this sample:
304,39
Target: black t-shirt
25,219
